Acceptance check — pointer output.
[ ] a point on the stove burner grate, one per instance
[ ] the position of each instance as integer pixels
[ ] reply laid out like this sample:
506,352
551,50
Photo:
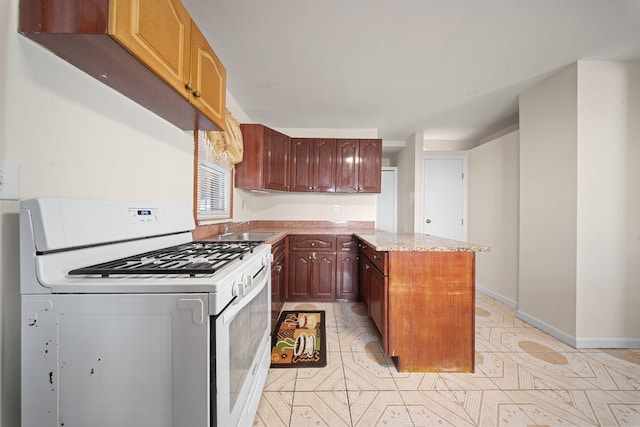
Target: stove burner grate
191,258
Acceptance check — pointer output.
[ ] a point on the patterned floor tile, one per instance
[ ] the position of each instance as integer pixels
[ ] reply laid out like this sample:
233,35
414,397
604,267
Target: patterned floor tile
498,318
274,409
566,407
518,340
353,311
281,379
435,408
523,371
419,381
325,408
294,305
523,377
333,341
359,338
491,408
328,378
614,369
626,408
378,408
367,371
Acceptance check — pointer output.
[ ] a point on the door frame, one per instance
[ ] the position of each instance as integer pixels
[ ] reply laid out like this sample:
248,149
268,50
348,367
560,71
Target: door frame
393,169
465,197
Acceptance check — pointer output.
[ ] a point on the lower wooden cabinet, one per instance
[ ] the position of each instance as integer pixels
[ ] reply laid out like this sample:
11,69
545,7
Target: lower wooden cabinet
312,275
347,288
278,281
374,287
323,268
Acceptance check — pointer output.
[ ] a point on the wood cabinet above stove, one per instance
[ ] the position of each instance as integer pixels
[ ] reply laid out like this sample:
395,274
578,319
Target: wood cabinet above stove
149,50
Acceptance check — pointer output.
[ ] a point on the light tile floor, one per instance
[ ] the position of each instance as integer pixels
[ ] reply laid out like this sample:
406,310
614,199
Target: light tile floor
523,377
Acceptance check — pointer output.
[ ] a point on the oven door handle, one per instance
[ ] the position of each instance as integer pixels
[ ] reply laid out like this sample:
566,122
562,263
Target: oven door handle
252,286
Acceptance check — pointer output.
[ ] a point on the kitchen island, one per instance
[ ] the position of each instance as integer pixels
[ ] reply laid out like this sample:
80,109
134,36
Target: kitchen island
420,291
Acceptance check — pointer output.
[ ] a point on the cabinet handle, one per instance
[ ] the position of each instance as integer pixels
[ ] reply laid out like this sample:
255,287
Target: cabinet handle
375,257
310,188
188,86
313,244
278,268
196,93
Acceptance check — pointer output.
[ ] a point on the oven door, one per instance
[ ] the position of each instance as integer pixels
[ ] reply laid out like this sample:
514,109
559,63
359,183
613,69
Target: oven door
241,352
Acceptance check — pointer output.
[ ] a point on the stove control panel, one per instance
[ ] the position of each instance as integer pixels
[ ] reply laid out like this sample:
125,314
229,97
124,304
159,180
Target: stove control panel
142,215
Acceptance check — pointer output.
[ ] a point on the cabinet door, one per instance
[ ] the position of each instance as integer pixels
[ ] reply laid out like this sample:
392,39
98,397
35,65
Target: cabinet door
158,32
370,166
378,302
208,79
324,165
323,280
365,280
276,160
300,268
277,289
346,166
302,158
347,276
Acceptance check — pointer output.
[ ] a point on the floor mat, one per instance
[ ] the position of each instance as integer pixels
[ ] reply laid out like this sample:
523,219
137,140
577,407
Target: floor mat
299,340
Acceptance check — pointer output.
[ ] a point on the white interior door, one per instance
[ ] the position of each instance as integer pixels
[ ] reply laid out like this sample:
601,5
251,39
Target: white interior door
443,209
386,217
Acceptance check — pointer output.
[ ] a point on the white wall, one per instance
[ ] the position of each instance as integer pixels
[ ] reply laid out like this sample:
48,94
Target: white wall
547,270
72,137
608,202
493,200
409,167
580,205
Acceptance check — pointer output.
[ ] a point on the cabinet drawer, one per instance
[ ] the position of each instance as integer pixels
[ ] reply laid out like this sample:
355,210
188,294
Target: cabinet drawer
347,244
378,258
312,242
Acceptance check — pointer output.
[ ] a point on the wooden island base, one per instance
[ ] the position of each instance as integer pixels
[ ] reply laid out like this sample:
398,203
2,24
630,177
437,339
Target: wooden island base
431,311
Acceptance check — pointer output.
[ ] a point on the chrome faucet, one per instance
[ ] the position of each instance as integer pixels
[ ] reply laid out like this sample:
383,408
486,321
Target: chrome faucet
227,226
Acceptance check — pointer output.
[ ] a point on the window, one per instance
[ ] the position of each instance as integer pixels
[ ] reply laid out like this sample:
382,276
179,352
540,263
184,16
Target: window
213,182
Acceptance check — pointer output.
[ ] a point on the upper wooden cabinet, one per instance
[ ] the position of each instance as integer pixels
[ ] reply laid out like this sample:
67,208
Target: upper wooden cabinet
265,163
358,165
149,50
313,165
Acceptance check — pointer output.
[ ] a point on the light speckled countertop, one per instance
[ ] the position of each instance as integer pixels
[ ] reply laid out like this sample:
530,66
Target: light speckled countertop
384,241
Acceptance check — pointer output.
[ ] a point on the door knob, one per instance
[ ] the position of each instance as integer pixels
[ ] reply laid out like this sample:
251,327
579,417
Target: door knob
428,221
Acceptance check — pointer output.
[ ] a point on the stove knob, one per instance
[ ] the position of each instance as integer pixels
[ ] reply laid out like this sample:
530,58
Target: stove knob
238,290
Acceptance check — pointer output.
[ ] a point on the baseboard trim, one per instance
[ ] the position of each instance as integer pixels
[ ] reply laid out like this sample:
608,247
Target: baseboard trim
608,343
579,343
511,303
567,339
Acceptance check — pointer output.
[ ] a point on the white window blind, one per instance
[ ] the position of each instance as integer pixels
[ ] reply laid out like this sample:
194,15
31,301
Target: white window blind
214,182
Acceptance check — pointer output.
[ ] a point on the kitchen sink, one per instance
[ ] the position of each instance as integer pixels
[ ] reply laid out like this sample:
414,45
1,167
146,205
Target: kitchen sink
248,236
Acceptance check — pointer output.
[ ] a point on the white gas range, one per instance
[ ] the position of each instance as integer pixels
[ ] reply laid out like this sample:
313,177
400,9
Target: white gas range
128,322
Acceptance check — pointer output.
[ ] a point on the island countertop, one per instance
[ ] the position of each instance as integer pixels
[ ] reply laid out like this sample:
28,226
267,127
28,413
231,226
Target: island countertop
415,242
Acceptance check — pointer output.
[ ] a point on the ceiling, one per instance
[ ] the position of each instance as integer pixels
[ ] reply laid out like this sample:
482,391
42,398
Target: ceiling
452,69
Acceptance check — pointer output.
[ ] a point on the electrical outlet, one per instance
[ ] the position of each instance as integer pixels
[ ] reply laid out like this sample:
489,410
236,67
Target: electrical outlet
9,181
336,208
